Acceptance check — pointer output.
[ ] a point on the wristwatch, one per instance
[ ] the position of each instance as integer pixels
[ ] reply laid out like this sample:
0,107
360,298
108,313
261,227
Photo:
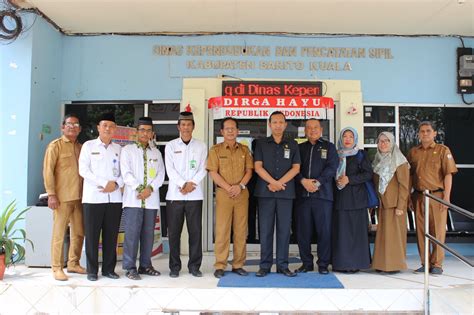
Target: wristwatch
242,186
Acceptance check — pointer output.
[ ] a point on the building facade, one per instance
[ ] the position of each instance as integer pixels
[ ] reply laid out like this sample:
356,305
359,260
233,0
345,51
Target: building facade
376,82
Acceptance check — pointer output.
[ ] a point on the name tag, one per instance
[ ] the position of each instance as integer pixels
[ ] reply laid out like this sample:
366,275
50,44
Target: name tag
178,152
286,154
116,169
95,153
152,172
324,154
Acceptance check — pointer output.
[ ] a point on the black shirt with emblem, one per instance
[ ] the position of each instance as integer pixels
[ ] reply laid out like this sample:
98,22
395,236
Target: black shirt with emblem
277,159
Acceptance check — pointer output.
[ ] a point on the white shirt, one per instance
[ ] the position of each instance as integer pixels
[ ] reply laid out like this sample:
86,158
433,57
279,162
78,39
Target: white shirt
99,164
132,168
185,163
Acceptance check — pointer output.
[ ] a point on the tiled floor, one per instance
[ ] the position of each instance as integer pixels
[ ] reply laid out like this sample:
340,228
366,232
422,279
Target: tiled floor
33,290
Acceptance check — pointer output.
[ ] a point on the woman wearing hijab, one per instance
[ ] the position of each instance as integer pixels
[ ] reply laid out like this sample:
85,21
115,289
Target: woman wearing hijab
350,230
391,179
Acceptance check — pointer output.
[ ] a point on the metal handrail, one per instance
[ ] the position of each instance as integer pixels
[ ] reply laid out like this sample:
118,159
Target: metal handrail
429,237
459,210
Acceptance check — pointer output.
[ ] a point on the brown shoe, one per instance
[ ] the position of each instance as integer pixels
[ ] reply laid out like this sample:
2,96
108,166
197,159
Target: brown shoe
77,269
59,275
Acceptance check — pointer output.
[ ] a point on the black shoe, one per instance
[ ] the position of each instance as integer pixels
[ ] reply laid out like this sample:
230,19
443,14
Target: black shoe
323,270
240,271
392,272
352,271
111,275
174,273
92,277
287,272
219,273
262,272
304,269
196,273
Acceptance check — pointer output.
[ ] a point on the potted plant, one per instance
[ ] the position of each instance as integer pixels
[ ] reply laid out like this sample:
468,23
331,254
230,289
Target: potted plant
12,239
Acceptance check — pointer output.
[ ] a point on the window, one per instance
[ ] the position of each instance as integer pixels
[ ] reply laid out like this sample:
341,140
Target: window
378,118
379,114
454,124
410,118
164,110
126,114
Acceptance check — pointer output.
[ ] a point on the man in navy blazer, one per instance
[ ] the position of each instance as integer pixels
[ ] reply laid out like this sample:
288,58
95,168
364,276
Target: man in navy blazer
319,162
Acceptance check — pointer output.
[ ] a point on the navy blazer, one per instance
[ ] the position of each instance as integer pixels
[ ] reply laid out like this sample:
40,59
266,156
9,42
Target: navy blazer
354,195
319,165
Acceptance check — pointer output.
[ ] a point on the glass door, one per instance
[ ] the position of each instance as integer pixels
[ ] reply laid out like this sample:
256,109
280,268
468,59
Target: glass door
250,130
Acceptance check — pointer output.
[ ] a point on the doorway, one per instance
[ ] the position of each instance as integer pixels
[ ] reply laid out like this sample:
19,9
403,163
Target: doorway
249,131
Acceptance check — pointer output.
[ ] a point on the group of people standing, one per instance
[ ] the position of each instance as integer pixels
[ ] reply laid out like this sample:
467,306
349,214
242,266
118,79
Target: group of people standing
89,188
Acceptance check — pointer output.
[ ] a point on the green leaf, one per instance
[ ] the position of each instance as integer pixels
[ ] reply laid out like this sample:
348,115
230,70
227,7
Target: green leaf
12,239
16,219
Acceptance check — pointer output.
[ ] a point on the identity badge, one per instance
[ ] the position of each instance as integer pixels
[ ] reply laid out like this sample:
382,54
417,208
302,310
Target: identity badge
152,172
286,154
116,172
324,154
192,165
115,169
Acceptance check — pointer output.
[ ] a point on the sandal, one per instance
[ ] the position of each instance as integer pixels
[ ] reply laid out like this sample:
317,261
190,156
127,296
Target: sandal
133,274
150,271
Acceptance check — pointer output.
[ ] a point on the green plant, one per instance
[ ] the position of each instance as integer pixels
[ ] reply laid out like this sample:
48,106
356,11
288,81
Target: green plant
12,239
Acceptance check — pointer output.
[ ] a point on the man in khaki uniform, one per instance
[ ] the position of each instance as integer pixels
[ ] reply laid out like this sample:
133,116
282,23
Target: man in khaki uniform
64,187
230,166
432,167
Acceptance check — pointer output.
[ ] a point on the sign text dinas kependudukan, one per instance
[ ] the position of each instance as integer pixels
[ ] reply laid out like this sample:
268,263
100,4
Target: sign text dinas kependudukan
258,99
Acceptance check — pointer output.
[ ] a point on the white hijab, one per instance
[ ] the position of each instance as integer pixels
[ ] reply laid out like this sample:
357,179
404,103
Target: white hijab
386,164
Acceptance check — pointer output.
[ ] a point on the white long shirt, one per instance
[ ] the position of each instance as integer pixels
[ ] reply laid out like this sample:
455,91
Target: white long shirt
132,167
185,163
99,164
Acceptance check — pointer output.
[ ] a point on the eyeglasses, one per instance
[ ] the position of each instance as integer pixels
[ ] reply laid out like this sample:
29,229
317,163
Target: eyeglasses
72,125
230,129
145,130
384,141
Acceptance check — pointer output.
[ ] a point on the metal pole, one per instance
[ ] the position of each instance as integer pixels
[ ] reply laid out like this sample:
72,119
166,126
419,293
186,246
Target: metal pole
427,252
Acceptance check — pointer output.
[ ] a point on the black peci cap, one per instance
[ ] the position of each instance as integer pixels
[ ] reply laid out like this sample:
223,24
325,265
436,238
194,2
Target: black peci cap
106,116
186,116
147,121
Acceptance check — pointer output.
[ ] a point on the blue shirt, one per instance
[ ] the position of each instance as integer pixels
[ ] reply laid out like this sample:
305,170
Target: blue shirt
277,159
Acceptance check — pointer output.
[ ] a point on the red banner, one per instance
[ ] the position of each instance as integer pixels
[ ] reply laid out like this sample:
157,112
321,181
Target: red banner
256,107
271,101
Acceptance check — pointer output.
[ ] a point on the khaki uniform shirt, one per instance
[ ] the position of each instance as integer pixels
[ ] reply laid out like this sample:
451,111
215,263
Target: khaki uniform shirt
230,163
429,166
61,171
397,191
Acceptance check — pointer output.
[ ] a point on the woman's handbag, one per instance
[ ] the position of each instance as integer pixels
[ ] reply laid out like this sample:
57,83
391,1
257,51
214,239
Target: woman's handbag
372,198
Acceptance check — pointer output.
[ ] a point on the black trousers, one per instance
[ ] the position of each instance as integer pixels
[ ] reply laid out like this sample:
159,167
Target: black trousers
271,210
314,216
177,210
101,218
